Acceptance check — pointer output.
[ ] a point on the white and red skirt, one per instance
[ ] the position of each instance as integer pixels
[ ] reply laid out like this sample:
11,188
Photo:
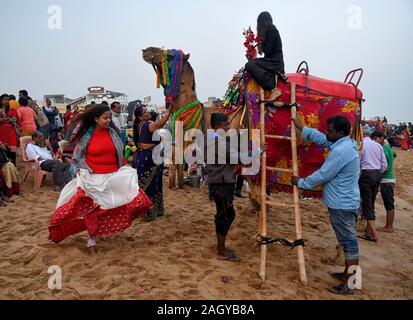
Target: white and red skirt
9,180
102,204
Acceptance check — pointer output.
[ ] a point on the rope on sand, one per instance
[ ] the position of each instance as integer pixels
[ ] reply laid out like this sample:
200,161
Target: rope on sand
265,241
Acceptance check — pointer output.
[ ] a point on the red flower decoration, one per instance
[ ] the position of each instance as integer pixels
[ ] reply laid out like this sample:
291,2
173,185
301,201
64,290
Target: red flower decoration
251,42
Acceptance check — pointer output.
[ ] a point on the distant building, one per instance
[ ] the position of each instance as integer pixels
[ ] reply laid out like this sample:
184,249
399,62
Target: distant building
212,102
57,98
98,94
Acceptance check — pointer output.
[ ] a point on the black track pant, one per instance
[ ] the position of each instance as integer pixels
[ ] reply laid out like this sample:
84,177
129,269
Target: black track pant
369,184
263,70
223,195
60,170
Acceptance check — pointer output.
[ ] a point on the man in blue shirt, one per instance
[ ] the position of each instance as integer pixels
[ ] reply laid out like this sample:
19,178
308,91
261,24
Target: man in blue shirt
339,177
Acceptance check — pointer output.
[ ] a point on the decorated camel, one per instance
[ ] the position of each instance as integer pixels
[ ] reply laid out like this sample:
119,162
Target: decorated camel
317,100
186,104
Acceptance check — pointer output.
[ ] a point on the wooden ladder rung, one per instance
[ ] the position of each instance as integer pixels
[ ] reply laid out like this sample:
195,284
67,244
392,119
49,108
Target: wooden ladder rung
275,203
277,137
280,169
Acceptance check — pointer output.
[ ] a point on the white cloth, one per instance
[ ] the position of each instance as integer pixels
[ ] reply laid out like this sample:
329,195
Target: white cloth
34,152
109,191
119,120
58,121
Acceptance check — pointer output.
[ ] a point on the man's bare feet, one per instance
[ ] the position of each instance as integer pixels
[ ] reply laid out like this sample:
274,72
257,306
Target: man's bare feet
386,229
227,254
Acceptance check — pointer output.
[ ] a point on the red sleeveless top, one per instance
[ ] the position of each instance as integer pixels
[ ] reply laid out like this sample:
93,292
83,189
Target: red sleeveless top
101,154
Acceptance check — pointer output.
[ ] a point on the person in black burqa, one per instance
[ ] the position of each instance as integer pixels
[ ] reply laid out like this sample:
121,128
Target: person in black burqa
263,70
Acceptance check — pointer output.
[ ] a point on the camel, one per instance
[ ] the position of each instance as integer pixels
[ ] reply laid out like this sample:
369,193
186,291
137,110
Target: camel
187,94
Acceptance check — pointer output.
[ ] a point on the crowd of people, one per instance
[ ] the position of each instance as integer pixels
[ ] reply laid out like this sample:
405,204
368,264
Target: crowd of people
397,135
86,152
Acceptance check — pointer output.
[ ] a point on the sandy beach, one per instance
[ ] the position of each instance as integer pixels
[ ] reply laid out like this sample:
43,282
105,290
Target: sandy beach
173,257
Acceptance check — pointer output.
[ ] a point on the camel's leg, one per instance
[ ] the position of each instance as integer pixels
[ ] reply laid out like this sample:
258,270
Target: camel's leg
172,174
180,172
254,195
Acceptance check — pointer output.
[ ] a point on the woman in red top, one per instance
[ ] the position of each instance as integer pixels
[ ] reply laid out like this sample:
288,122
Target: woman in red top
70,116
66,118
105,197
405,135
9,131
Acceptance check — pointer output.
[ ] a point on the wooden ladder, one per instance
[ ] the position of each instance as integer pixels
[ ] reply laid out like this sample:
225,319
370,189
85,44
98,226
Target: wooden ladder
296,198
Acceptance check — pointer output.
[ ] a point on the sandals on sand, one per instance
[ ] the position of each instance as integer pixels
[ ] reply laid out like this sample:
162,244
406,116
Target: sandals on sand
232,257
337,275
341,289
368,238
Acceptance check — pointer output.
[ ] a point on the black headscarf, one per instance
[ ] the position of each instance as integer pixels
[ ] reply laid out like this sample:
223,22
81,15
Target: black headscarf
264,21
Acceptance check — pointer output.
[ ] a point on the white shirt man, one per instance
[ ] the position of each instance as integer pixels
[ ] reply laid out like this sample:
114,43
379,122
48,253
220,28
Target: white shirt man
118,118
35,152
47,161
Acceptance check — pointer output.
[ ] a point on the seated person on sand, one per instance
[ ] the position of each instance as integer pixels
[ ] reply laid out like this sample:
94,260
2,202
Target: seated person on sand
263,70
41,150
9,177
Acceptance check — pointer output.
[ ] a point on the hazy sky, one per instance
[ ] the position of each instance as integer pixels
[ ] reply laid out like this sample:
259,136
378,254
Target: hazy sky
100,43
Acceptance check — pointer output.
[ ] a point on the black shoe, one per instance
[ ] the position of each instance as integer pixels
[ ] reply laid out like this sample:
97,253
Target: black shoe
338,276
341,289
150,216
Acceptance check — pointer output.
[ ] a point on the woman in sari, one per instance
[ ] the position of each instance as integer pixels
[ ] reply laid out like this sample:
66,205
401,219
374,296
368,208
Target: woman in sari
9,130
105,197
150,174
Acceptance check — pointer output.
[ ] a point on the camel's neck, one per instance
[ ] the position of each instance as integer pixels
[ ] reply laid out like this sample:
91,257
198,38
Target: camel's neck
186,93
185,97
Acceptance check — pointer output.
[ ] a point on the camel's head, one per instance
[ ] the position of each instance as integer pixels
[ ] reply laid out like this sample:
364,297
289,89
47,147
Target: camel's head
153,56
